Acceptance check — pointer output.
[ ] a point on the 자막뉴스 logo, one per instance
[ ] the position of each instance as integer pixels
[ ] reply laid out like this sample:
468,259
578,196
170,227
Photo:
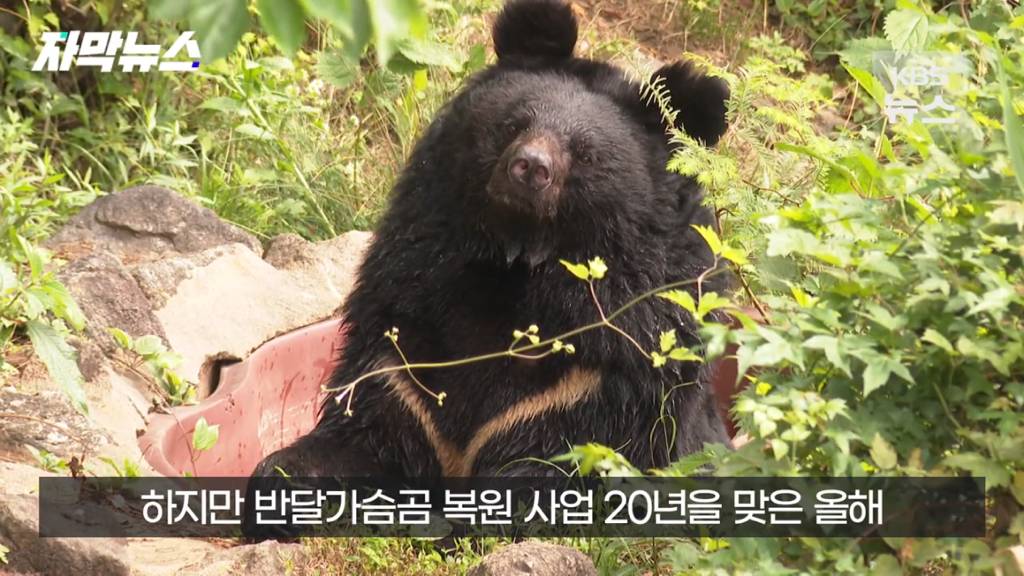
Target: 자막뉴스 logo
101,49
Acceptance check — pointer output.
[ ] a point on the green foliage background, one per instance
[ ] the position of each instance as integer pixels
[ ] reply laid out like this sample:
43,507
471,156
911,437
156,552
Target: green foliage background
888,258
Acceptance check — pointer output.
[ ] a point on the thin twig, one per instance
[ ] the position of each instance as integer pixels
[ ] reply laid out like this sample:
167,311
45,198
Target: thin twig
750,294
349,388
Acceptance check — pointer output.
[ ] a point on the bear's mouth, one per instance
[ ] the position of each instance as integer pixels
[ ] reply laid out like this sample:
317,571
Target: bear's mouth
519,233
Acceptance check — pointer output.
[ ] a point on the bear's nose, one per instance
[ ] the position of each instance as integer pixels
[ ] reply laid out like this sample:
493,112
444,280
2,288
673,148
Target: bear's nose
530,166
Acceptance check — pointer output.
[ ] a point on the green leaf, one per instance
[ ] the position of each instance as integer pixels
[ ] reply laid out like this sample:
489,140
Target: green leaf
424,53
168,9
337,68
223,104
63,304
668,340
882,453
148,345
994,472
907,30
860,52
59,358
876,374
597,268
350,17
394,22
580,271
121,337
711,237
1014,130
204,436
868,82
254,131
779,448
803,299
939,340
285,21
684,355
681,298
830,346
734,255
219,24
786,241
710,301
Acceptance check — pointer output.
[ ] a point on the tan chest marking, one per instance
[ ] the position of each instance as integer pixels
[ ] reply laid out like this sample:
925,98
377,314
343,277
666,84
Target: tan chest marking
575,387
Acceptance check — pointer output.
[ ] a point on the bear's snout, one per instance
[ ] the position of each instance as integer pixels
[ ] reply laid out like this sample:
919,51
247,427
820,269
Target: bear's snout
530,165
528,177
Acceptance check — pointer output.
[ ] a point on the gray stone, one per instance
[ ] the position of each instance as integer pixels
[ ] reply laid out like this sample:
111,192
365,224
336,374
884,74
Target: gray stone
159,279
45,421
288,251
144,223
19,531
535,559
264,559
234,301
109,297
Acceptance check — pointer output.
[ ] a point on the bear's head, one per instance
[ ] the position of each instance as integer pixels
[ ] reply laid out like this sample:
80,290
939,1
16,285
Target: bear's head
550,155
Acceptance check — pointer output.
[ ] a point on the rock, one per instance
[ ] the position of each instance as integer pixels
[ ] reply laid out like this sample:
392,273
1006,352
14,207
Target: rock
535,559
144,223
287,251
45,421
19,531
149,262
264,559
159,279
109,297
237,301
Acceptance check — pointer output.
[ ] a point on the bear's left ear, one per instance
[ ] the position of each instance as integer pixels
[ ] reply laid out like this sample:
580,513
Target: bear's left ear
698,98
535,29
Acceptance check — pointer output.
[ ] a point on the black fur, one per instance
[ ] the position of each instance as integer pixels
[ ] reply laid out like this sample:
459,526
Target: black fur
456,271
535,29
699,99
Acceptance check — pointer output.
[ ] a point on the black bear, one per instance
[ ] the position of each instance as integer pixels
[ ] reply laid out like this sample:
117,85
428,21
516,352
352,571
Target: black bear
540,158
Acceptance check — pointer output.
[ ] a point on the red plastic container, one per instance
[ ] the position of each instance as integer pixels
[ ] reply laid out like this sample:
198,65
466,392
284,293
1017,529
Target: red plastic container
261,404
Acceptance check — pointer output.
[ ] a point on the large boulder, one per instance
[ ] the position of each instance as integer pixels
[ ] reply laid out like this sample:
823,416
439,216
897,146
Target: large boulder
148,261
109,295
146,222
19,532
535,559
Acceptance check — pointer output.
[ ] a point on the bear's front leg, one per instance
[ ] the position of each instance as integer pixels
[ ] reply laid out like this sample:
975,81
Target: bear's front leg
312,456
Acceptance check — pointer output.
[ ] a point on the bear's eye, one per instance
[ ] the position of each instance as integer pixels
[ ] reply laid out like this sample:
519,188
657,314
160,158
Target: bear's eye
511,127
584,156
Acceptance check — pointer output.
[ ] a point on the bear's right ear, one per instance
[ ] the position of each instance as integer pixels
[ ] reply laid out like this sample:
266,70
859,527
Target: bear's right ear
699,99
535,29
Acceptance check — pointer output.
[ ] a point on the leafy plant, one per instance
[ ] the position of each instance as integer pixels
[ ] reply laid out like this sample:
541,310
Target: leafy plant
49,461
127,468
395,28
204,436
160,362
33,303
889,261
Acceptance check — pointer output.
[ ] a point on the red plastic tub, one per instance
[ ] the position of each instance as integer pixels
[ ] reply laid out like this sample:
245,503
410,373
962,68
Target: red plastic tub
261,404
